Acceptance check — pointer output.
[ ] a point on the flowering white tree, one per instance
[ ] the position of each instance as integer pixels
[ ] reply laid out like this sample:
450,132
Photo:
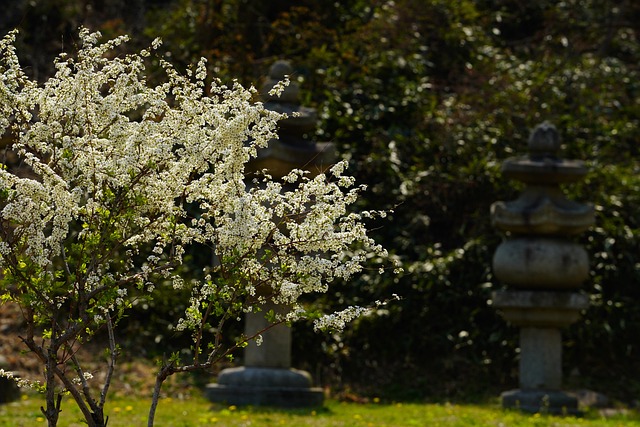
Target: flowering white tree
122,178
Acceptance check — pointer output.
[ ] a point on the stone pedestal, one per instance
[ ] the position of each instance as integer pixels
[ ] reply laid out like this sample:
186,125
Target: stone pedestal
275,350
554,402
543,269
258,386
266,379
540,358
540,315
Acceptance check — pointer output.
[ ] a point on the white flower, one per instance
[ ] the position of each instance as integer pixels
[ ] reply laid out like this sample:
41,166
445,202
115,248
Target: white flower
20,382
339,320
279,87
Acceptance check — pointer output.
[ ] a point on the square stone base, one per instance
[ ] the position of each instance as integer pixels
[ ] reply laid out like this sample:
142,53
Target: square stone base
282,397
541,401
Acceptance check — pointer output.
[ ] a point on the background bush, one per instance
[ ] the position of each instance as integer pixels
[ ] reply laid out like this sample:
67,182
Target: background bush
427,98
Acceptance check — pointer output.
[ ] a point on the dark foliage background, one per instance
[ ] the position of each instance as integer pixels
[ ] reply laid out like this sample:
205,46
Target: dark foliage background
426,98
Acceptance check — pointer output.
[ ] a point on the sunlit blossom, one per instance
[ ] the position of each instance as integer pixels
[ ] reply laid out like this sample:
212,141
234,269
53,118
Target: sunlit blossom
125,177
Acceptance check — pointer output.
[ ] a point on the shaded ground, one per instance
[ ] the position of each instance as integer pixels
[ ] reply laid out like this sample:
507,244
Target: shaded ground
134,375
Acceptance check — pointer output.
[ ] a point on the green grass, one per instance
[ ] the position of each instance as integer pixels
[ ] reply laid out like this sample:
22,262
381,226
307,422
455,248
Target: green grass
197,412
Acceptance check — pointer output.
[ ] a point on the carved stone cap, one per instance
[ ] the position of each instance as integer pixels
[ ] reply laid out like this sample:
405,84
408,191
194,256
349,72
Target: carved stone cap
544,171
542,208
543,166
300,119
540,309
542,211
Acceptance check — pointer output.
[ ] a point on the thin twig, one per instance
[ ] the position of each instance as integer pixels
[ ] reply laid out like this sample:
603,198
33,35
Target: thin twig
112,361
83,382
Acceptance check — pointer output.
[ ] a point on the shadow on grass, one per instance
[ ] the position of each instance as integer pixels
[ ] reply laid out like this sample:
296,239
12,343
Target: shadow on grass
298,411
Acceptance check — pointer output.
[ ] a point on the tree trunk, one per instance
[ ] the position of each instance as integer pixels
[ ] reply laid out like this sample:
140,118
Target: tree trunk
164,373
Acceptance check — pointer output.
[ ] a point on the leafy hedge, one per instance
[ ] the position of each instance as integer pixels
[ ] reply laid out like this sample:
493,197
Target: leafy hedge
427,98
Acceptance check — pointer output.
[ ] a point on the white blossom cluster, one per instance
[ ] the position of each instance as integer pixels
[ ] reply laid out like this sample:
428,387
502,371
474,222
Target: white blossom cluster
34,384
125,176
85,377
20,382
339,319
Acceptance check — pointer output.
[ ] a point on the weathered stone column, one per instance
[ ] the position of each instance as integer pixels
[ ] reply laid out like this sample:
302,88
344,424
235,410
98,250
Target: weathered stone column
267,377
543,269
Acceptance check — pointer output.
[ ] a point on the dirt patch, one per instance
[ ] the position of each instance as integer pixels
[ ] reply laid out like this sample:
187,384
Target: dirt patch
134,375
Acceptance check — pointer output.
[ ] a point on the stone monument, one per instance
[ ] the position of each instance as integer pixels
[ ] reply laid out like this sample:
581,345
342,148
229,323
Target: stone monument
542,268
267,377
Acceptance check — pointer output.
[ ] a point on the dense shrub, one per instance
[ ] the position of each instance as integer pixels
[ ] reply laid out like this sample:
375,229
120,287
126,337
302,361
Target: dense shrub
426,98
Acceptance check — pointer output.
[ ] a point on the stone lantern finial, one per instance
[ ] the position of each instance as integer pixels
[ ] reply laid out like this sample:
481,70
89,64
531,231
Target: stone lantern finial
544,141
280,69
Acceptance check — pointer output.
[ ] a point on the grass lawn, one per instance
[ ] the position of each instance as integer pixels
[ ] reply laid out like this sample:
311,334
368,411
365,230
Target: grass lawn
198,412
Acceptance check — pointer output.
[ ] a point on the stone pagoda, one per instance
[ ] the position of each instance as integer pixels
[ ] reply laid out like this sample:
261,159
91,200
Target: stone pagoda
267,378
543,269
